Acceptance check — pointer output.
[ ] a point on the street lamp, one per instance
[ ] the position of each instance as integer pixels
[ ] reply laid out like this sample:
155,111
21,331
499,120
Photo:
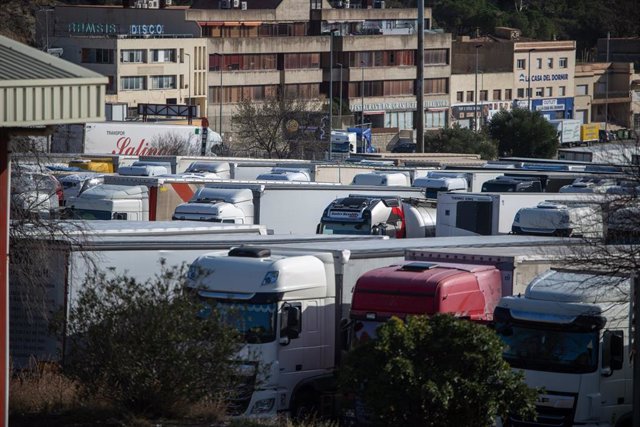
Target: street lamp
220,66
46,20
362,95
475,94
529,80
340,105
189,99
331,33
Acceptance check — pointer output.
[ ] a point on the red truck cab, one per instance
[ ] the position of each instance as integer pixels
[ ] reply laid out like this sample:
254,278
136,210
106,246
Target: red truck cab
422,288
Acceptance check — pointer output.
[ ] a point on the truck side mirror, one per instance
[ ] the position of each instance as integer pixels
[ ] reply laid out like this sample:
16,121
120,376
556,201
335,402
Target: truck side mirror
291,323
612,351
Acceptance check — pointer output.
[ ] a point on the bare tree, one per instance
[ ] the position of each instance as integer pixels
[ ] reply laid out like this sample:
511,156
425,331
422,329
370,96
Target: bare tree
173,144
276,126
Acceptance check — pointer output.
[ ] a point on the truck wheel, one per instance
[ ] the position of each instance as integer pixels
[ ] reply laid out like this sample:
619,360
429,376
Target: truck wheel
305,406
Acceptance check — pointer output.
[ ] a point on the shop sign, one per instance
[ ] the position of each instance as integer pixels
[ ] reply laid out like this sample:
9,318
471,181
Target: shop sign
550,105
399,106
137,30
98,28
544,77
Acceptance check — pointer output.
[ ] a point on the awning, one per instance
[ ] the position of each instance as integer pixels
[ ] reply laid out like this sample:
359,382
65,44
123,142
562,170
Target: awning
371,113
231,23
438,109
251,23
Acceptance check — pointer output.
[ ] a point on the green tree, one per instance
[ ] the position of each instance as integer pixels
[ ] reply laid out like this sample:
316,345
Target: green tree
460,140
143,347
436,372
523,133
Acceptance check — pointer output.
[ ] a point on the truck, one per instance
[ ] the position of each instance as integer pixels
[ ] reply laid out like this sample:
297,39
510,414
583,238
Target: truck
296,299
589,133
437,181
139,138
384,215
468,214
225,205
570,334
568,131
382,178
285,174
515,184
560,218
271,199
343,142
134,248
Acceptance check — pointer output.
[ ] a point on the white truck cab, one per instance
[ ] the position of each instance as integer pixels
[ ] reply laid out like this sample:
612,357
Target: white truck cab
382,178
107,201
436,181
569,335
285,174
561,218
233,206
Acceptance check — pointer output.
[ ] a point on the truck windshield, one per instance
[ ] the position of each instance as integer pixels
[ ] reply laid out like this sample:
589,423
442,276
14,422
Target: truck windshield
553,350
90,214
363,331
498,188
346,228
256,323
432,192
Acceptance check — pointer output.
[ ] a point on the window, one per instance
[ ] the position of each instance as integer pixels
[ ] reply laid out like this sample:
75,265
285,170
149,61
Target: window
238,93
563,62
132,83
600,88
163,82
460,96
436,86
548,92
435,119
497,94
550,62
508,94
302,91
539,91
163,55
520,92
97,56
539,63
476,218
399,119
111,85
562,91
132,55
436,56
521,64
484,94
293,61
469,96
582,90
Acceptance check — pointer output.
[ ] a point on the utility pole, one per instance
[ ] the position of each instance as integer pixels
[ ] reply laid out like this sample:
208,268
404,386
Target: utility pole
420,81
635,350
529,80
189,99
606,87
475,93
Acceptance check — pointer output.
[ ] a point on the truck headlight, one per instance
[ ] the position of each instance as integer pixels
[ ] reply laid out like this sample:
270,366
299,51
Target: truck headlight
270,278
263,406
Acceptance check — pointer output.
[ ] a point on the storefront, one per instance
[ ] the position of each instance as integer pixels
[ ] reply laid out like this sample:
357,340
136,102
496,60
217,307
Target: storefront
464,114
554,108
401,114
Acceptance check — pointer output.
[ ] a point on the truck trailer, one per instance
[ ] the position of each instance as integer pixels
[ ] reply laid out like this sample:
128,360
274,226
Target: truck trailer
298,298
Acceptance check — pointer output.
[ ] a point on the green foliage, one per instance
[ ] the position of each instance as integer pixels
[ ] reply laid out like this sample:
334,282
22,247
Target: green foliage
436,372
523,133
460,140
143,347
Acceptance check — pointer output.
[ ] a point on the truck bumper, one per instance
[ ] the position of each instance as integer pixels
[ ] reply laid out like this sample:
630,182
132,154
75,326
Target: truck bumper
263,404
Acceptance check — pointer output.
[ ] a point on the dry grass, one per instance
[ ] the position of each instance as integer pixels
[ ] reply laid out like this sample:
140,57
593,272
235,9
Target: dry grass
42,389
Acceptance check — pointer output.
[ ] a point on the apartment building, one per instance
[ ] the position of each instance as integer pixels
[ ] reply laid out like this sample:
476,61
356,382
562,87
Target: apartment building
151,56
504,71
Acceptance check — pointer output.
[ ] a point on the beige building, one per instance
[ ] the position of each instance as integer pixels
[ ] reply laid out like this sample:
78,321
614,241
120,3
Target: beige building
149,56
604,90
504,71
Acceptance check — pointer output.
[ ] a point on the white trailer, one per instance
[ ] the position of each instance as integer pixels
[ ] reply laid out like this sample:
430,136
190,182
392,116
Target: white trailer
568,131
298,298
296,207
116,248
460,214
137,138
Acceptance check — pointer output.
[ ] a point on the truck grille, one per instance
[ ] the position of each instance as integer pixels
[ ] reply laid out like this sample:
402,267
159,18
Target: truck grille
546,417
240,397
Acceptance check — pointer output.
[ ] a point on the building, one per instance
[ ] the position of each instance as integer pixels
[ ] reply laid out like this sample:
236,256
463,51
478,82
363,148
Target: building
254,49
504,71
150,56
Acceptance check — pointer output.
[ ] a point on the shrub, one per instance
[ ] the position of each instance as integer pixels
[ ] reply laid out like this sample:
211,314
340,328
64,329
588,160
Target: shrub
143,347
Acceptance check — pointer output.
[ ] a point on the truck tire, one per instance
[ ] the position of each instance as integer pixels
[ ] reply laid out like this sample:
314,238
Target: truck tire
305,406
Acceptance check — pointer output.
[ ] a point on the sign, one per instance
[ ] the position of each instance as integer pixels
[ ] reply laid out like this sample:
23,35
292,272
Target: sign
99,28
92,28
401,106
543,77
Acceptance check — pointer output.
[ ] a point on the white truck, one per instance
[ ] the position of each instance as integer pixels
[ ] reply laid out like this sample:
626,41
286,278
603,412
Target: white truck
382,178
560,218
468,214
284,207
225,205
285,174
296,300
382,215
344,142
139,138
437,181
570,335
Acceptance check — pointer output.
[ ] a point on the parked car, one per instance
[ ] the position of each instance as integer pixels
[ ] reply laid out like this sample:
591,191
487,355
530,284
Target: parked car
404,147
